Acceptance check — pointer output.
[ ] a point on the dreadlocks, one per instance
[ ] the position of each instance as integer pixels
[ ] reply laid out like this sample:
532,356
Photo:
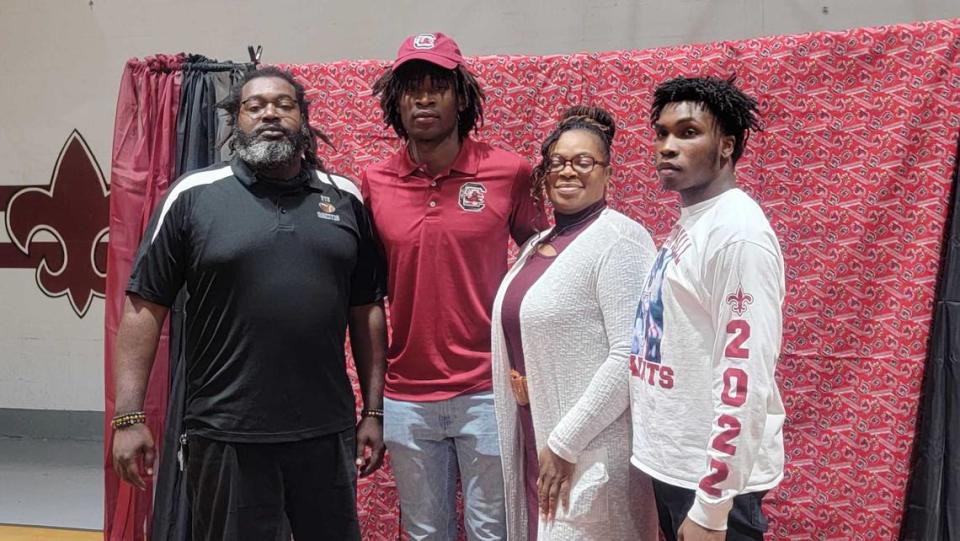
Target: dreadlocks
231,104
392,85
579,117
735,112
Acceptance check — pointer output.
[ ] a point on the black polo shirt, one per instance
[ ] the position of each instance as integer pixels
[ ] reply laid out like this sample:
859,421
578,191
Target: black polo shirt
271,270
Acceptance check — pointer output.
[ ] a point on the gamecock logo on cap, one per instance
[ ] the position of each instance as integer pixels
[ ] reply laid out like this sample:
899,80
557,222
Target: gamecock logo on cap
424,41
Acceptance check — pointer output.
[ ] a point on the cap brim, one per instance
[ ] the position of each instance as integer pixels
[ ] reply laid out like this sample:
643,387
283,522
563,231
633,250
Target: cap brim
441,61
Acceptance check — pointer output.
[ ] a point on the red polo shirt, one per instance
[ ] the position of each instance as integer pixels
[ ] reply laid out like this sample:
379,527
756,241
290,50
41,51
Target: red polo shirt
445,239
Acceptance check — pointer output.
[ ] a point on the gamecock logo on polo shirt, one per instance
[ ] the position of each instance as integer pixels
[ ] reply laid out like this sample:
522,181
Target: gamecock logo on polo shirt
473,197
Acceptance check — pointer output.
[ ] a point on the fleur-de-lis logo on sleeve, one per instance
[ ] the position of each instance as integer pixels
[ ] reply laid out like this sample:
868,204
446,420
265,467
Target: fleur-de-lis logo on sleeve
739,300
75,210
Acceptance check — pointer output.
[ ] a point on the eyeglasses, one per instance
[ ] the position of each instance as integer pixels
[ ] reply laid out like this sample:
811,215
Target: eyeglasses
581,163
284,106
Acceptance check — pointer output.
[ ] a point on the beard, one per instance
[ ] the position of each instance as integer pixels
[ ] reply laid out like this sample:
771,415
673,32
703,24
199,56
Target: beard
264,154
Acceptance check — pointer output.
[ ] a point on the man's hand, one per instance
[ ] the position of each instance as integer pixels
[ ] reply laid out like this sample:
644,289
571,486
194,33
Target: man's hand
368,341
369,436
133,454
554,483
136,344
691,531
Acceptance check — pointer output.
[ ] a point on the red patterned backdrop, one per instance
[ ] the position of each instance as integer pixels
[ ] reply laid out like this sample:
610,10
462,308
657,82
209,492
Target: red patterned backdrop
853,168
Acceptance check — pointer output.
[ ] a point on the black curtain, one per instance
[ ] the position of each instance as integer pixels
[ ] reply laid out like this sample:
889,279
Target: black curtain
932,510
200,128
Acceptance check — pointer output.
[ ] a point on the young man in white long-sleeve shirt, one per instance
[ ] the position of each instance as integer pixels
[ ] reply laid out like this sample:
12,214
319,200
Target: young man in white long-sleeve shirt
707,414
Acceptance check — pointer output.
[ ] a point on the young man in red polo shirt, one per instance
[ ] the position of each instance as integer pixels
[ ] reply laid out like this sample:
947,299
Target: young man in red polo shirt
444,206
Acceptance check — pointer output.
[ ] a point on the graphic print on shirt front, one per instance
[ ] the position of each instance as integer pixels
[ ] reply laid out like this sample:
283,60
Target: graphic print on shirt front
648,328
646,360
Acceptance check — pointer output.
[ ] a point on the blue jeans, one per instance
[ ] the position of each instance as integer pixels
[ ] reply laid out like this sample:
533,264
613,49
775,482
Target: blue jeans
428,443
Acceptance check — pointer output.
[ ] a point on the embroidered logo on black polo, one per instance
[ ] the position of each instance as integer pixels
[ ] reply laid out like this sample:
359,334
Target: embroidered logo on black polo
327,210
473,196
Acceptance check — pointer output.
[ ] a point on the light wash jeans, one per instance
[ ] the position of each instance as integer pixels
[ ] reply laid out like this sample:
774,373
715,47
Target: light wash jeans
428,442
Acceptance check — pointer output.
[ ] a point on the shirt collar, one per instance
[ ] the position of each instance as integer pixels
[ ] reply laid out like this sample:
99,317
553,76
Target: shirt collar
467,161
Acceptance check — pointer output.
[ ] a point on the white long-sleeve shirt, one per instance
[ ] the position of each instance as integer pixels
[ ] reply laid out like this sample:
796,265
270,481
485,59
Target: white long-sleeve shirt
707,414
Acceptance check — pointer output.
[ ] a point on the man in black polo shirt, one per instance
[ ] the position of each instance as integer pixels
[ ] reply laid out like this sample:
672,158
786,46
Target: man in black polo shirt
278,259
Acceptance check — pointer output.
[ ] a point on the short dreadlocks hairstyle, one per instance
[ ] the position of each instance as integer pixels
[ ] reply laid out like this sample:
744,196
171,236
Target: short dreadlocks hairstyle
734,111
392,85
231,104
595,120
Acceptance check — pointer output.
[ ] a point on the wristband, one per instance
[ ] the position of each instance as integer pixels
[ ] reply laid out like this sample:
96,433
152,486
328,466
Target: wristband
371,412
128,419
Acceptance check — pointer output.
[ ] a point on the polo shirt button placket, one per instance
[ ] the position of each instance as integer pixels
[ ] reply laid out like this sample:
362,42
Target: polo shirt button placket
285,223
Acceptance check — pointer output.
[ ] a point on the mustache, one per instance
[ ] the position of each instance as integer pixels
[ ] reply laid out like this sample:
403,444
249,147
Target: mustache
285,131
252,144
254,136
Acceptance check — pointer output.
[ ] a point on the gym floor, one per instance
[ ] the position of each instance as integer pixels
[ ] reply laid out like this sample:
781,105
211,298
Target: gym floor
50,489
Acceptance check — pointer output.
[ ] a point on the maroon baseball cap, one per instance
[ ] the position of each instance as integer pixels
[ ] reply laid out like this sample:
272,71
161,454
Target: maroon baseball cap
435,48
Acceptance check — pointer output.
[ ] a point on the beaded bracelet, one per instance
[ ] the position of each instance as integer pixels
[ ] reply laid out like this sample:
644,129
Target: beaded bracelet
128,419
371,412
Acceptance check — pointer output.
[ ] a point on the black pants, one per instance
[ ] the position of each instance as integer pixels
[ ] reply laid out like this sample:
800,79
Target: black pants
247,491
745,522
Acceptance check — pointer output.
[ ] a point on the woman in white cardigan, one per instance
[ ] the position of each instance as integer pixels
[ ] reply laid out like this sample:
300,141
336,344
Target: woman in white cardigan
562,323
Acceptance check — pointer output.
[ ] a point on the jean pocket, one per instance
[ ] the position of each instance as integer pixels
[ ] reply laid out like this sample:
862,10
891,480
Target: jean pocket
588,495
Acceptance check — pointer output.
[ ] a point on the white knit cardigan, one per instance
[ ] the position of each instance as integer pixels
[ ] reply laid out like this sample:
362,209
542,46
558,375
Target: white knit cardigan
576,325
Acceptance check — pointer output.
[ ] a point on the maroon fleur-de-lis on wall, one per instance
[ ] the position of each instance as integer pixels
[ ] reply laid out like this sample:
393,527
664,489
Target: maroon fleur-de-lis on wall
75,210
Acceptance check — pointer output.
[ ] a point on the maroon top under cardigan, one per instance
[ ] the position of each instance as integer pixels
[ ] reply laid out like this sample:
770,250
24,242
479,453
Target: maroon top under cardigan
569,227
